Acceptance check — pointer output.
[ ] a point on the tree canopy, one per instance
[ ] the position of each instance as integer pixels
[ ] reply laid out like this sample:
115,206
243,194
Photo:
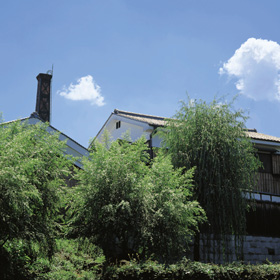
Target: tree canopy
32,174
129,206
212,138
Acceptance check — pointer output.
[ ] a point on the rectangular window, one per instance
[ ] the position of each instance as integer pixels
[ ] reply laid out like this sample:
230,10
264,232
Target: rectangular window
118,124
266,160
276,164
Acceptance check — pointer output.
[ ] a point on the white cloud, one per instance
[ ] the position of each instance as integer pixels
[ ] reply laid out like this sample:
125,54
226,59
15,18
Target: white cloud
256,65
85,89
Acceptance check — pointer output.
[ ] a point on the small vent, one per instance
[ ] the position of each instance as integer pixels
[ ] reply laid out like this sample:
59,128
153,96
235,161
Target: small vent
118,124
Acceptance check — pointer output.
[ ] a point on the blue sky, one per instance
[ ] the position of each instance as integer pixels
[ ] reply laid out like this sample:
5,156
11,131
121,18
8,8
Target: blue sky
140,56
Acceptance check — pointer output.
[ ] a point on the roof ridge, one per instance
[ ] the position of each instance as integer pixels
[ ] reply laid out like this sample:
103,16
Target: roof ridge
250,130
117,111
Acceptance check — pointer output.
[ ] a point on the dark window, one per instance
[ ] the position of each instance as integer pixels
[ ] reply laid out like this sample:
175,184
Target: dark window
266,162
118,124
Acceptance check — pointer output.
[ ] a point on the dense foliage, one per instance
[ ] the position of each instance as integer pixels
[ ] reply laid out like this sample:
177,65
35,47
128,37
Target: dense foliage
212,138
131,207
33,168
84,261
187,270
73,259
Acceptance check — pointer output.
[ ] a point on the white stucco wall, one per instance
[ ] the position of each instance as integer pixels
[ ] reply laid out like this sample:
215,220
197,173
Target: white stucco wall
136,129
156,141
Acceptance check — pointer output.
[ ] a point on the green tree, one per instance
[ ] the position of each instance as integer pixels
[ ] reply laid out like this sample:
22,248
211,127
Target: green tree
32,172
212,138
129,206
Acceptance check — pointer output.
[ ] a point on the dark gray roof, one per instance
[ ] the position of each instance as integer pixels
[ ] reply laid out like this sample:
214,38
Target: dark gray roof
161,121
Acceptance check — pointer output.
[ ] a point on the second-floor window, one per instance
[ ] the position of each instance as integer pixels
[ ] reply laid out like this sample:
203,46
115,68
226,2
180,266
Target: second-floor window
266,160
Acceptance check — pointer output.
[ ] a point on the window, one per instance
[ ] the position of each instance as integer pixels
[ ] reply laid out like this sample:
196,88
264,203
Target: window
118,124
266,161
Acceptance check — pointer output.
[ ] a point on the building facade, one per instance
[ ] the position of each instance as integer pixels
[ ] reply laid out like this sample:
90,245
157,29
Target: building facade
263,230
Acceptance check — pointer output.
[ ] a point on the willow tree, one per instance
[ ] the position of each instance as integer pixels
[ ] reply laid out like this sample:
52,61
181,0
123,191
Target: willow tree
212,137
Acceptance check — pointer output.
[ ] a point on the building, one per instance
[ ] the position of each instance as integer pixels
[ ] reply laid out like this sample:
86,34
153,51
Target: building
263,239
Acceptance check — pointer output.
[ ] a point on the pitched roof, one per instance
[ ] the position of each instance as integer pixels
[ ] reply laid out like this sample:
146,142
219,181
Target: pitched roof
72,147
161,121
149,119
260,136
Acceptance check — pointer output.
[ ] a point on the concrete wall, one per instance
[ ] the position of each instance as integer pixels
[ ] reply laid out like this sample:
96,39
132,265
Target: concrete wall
259,249
256,249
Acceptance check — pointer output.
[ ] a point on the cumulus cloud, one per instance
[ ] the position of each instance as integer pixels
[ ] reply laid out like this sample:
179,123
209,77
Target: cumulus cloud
84,89
256,65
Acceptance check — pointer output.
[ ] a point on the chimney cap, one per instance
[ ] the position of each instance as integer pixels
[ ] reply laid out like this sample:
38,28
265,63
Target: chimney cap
43,75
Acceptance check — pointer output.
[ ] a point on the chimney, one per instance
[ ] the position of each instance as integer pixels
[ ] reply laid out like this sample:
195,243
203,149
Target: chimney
43,102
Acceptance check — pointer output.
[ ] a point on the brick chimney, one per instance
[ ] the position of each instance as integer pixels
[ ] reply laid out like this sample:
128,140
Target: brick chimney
43,102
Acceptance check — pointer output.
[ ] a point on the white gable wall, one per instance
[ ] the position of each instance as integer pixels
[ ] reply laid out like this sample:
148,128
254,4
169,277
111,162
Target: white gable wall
135,128
135,131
